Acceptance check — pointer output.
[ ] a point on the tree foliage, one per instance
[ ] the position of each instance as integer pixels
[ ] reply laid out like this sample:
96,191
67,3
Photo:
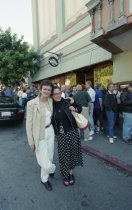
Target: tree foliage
17,59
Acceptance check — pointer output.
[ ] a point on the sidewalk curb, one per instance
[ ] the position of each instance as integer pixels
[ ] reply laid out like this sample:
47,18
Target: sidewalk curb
107,158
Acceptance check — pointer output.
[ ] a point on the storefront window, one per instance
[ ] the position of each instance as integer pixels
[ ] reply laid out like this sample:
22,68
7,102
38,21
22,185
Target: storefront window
70,80
103,75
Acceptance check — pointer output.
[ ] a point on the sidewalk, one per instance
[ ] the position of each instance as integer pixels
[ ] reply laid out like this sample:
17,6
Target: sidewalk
118,154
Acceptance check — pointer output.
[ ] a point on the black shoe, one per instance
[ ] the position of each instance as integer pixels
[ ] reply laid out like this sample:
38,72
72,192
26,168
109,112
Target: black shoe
66,182
71,179
52,175
47,185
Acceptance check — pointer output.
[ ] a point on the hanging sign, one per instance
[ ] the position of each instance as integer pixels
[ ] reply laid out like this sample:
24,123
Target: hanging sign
53,61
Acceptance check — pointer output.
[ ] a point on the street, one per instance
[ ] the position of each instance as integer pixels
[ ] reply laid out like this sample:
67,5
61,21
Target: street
98,186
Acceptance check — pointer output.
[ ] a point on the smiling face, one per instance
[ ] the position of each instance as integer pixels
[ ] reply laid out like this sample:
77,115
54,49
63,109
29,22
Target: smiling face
45,91
56,94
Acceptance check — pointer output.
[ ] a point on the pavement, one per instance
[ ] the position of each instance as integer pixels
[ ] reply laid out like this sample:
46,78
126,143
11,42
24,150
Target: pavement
118,154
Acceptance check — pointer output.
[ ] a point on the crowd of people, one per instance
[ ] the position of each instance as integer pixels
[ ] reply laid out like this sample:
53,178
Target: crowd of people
104,109
50,114
22,94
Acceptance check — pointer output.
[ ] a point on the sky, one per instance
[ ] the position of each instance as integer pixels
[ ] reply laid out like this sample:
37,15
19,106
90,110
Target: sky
17,14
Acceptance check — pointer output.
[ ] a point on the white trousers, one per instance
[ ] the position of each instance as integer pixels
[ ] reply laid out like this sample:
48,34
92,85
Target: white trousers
44,154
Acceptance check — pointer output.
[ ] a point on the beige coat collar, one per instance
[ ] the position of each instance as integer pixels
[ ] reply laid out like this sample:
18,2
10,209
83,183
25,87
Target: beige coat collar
50,102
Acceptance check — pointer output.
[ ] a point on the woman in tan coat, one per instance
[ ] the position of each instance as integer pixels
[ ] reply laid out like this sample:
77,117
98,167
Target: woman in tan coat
40,131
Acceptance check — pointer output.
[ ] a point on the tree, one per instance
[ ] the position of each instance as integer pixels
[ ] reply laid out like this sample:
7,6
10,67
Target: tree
17,59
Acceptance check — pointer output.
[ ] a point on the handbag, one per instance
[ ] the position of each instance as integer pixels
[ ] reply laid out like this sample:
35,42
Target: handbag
81,121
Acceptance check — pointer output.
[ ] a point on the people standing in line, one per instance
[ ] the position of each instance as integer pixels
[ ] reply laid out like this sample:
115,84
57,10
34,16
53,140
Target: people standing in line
9,91
40,131
118,95
19,95
98,108
91,92
126,102
63,91
24,99
73,91
111,108
69,144
83,99
31,94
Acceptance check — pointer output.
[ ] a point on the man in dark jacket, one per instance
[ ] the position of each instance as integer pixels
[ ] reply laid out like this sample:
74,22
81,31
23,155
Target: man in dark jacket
111,109
82,98
126,101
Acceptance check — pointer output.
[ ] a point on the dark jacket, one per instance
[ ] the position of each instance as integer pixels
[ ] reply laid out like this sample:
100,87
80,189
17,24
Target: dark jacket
110,102
70,119
82,98
126,101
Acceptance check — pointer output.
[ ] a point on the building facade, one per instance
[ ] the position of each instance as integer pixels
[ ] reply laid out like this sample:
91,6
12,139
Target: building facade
112,30
66,29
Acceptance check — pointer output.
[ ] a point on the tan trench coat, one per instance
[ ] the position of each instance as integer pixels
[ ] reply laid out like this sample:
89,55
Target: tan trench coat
35,121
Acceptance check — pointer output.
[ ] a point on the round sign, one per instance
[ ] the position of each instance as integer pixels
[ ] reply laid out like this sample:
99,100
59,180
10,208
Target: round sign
53,61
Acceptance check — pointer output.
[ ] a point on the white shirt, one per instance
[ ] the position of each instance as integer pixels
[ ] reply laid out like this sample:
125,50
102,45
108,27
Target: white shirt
48,116
63,95
92,93
24,95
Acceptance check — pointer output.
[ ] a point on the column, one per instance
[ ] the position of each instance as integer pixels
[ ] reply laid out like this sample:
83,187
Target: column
112,20
121,6
91,12
99,7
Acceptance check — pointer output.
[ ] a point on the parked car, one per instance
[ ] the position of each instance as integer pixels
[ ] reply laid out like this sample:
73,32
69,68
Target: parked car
10,110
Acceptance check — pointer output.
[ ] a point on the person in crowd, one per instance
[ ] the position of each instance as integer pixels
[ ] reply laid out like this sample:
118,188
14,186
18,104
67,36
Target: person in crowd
91,93
19,95
126,102
98,108
73,91
111,109
2,92
69,144
9,91
31,94
118,95
63,91
24,98
40,132
83,99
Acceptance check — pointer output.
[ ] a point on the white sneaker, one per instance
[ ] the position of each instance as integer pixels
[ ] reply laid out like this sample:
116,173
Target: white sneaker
91,133
89,139
114,137
111,140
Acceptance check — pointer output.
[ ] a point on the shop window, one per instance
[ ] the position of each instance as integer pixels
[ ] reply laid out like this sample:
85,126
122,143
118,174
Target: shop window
103,75
70,79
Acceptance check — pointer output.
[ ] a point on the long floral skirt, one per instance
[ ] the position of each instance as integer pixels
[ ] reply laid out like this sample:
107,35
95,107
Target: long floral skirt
69,151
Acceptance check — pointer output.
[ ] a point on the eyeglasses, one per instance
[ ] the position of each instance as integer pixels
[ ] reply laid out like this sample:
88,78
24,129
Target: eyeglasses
55,94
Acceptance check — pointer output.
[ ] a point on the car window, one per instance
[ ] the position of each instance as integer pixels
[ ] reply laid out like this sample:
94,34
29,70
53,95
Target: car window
6,100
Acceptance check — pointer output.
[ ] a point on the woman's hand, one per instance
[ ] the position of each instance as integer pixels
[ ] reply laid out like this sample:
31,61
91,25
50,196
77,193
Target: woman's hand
72,108
71,100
